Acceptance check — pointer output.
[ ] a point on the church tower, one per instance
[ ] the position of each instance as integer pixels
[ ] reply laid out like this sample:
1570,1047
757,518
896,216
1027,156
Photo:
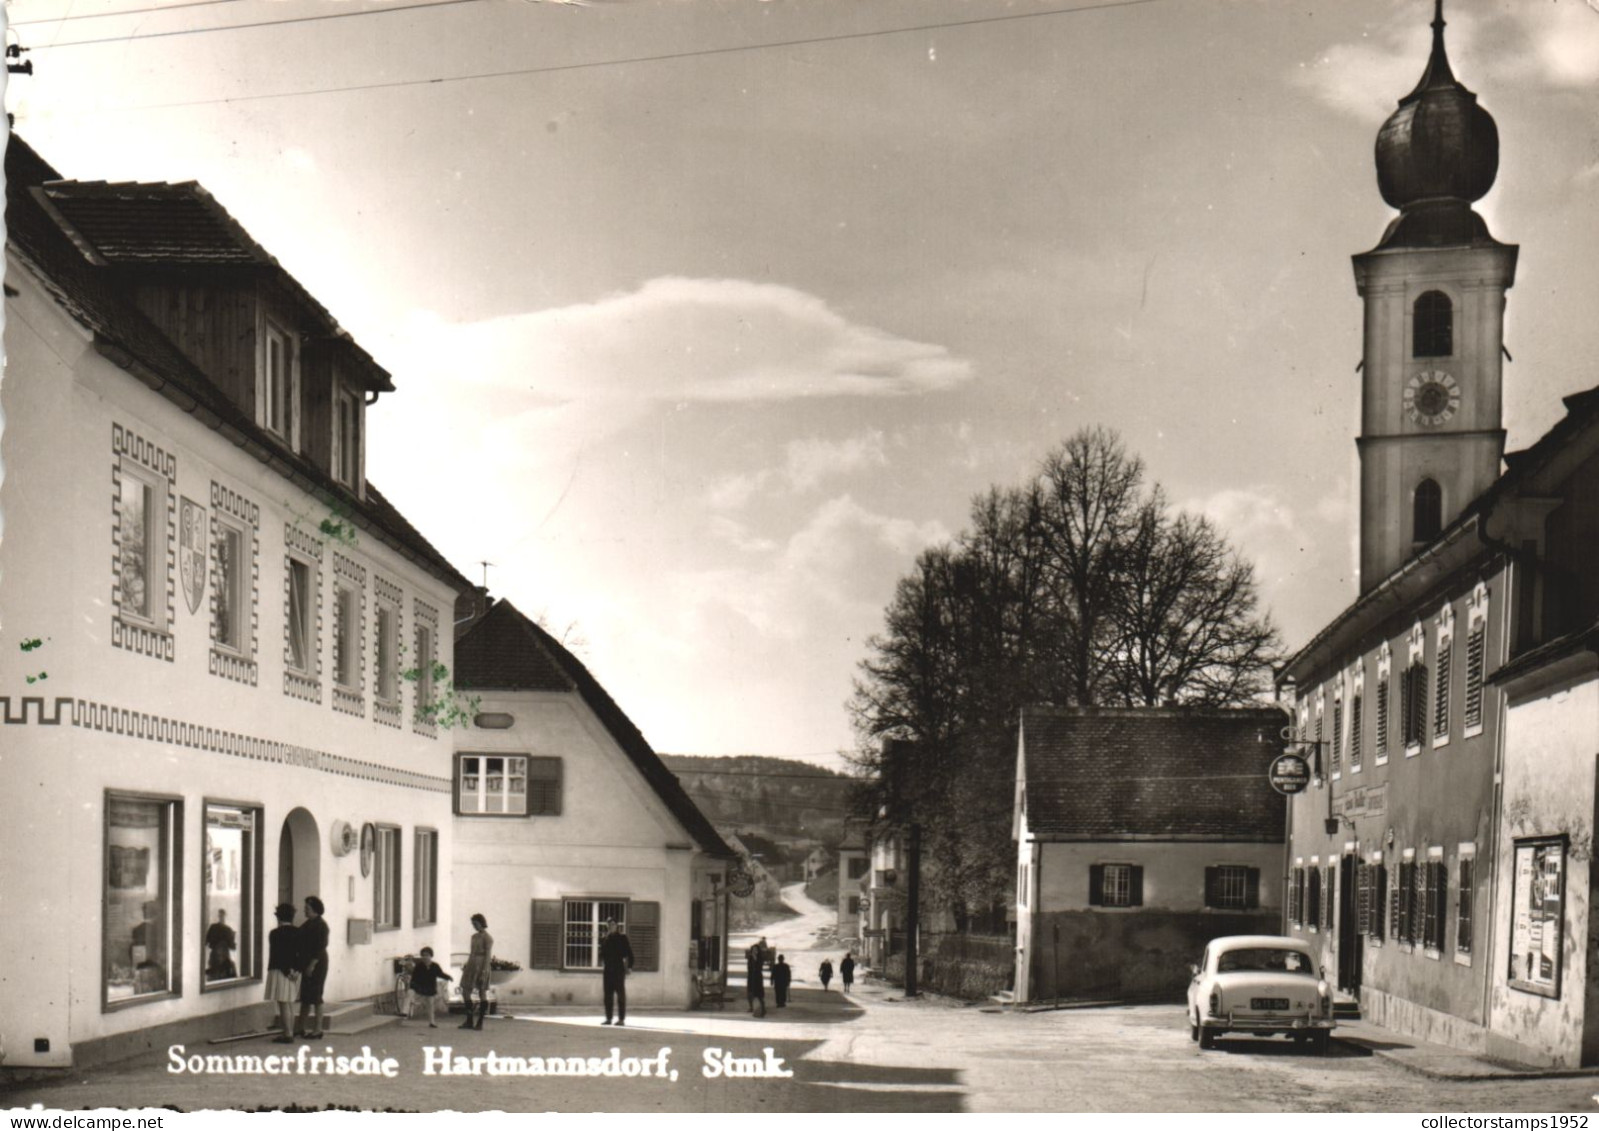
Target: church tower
1434,290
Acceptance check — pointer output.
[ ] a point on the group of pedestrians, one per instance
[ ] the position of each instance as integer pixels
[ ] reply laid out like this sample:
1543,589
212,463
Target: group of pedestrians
759,957
297,969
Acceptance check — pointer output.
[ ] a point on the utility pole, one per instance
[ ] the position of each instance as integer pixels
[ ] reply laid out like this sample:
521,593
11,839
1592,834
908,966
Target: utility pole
913,908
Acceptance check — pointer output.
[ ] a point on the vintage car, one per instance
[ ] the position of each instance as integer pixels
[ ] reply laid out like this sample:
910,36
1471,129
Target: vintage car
1262,985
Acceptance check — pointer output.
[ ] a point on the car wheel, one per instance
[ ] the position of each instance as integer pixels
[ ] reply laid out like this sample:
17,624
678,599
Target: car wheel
1207,1038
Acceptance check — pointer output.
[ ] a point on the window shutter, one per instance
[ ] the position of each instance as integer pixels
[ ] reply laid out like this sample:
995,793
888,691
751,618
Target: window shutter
1252,888
644,931
1396,904
1463,932
1211,874
1293,896
1362,898
1096,885
1135,885
548,923
1327,889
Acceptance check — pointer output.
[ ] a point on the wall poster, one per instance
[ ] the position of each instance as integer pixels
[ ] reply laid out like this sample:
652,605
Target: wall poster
1538,910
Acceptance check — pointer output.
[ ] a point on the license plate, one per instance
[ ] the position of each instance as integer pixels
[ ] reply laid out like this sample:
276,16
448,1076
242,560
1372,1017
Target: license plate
1268,1003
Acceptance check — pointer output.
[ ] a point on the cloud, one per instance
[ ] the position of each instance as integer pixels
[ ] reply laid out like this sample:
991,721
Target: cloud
808,462
1527,45
681,340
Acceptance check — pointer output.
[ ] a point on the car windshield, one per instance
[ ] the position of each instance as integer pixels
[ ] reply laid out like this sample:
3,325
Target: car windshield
1263,958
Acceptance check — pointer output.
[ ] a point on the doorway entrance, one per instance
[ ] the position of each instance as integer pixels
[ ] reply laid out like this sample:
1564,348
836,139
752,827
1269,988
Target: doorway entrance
1351,956
299,859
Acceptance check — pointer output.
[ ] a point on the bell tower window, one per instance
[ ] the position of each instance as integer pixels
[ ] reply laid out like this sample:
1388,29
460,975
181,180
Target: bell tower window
1433,334
1427,511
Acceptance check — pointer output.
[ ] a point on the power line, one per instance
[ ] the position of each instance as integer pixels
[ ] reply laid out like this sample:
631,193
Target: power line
123,12
250,26
598,63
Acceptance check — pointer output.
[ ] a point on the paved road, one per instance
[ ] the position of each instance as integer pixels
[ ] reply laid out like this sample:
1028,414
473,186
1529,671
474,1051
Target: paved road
870,1052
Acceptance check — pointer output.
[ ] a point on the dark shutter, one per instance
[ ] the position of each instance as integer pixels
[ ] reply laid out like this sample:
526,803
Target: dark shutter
1294,878
644,931
1251,888
1135,885
1096,885
548,921
1362,898
1463,931
1212,874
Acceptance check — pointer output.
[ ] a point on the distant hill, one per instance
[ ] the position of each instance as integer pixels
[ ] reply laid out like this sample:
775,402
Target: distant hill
776,800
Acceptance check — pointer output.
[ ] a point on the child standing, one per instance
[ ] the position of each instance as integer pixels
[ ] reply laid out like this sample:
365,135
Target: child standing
283,977
425,977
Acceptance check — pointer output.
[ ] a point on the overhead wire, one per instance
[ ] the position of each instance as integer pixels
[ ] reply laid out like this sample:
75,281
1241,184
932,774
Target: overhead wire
257,24
556,68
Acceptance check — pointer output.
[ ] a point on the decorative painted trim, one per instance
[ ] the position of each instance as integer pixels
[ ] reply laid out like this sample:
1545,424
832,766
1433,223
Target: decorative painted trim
352,699
145,639
225,662
124,721
426,617
37,701
303,547
388,595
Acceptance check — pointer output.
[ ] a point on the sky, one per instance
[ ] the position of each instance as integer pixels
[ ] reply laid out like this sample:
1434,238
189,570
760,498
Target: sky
707,316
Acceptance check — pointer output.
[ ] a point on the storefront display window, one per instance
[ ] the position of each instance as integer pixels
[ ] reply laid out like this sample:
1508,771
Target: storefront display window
230,917
1538,907
139,938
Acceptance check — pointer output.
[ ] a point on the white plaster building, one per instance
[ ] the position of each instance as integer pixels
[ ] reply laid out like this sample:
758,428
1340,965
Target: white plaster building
565,817
206,615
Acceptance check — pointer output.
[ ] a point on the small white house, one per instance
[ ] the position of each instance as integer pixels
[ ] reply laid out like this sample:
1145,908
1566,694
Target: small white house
564,818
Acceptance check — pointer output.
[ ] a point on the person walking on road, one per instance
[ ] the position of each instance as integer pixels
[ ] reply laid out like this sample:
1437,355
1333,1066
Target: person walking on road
846,970
283,977
825,972
781,977
312,945
755,986
475,974
616,957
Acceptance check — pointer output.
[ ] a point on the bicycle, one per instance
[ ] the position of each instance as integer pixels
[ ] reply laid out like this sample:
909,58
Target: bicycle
400,1001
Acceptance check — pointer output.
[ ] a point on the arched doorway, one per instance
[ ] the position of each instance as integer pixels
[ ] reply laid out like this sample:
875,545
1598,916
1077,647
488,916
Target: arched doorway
299,859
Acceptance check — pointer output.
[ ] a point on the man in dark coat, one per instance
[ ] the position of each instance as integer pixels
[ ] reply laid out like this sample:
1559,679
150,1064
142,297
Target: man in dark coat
616,959
781,977
755,985
846,970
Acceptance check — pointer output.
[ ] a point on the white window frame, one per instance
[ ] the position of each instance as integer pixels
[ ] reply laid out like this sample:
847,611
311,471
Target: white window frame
346,636
587,914
278,395
386,876
232,589
154,486
307,614
1116,885
475,775
425,878
386,648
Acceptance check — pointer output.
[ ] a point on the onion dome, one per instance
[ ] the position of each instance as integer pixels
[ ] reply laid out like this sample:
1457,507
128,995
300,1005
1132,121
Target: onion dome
1436,154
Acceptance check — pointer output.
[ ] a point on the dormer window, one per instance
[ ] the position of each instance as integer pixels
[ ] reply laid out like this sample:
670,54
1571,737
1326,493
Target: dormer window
276,391
347,435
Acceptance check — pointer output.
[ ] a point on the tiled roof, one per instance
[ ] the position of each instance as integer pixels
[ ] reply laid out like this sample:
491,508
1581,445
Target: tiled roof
161,224
505,651
94,297
1148,772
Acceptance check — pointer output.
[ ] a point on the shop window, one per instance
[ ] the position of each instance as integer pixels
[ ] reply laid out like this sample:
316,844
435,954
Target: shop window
425,873
1232,887
230,912
1116,885
386,878
142,892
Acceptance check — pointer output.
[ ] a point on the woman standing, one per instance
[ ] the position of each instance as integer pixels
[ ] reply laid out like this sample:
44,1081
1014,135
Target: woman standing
846,970
475,974
283,979
313,964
